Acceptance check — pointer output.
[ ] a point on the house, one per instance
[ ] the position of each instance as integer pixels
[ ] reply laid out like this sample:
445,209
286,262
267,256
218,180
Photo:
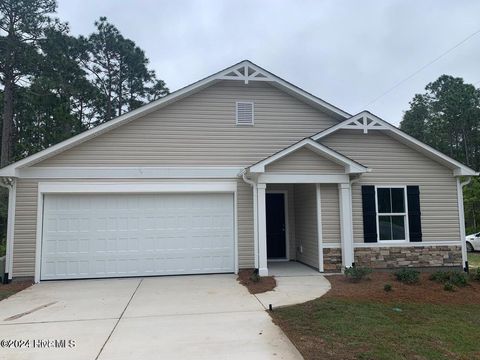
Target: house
236,170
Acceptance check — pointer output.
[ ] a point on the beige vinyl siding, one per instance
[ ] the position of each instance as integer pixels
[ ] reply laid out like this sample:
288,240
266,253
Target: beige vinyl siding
306,223
200,130
245,225
305,161
26,222
25,228
393,163
330,213
289,188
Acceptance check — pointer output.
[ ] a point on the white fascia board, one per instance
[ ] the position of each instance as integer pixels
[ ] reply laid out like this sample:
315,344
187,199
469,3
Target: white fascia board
128,172
281,178
458,168
321,150
403,244
135,187
155,105
409,244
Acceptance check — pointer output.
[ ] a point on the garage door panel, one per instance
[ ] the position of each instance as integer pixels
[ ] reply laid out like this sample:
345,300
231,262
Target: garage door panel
134,235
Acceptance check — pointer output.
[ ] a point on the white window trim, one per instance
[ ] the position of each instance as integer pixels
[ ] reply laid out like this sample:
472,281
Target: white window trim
407,234
129,188
253,112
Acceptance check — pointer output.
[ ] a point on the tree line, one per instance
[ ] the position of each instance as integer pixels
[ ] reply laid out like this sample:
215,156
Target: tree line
55,85
447,117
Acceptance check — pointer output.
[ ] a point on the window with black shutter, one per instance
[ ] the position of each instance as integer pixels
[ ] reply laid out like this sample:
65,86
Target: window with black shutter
391,213
414,214
369,214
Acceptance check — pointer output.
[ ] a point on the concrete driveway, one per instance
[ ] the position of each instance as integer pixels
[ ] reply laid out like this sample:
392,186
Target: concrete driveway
176,317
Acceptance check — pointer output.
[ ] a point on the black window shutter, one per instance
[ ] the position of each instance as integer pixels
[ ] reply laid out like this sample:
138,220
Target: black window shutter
414,214
369,214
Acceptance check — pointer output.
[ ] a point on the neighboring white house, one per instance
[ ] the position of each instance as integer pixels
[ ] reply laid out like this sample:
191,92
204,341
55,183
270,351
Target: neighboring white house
230,172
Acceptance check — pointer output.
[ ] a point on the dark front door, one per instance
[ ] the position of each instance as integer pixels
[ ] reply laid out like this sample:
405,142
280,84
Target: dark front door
276,240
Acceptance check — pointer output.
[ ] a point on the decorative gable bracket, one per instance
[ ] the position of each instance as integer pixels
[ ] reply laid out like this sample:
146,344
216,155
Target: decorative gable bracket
245,72
363,122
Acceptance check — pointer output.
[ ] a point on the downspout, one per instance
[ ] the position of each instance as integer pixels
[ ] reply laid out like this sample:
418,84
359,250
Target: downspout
461,218
11,185
255,219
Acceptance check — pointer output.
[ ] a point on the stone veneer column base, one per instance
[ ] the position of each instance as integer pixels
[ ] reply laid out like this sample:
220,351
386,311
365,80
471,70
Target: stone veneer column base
415,256
332,260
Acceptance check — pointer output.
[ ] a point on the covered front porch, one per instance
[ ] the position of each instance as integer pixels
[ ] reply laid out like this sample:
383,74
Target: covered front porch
303,207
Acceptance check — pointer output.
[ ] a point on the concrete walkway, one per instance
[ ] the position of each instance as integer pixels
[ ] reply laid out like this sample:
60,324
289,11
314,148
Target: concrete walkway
296,283
176,317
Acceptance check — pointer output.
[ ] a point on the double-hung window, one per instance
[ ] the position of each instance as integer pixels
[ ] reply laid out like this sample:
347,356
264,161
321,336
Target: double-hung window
392,214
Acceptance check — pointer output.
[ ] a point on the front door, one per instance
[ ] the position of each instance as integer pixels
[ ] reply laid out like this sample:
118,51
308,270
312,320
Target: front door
276,236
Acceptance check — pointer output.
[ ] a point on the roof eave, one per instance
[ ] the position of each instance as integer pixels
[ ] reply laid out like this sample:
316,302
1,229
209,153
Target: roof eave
351,167
175,96
456,166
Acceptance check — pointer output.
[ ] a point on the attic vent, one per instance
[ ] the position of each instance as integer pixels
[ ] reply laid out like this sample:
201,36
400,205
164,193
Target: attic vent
244,113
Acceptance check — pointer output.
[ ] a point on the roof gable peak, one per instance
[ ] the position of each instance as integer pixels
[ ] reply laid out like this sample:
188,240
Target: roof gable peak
367,121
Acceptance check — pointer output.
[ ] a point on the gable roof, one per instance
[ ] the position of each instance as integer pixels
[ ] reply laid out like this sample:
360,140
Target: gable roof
367,121
351,166
243,71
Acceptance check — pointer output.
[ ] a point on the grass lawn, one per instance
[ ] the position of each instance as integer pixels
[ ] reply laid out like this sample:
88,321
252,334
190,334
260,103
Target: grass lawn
474,259
362,321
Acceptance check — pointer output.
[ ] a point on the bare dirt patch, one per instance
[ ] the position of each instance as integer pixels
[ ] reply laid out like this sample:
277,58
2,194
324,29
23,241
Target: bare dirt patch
426,291
263,284
7,290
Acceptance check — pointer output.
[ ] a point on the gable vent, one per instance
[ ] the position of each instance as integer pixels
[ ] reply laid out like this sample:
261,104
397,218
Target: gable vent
244,113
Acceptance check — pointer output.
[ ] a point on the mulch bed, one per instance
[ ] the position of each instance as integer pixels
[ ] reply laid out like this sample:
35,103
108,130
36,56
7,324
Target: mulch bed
7,290
303,323
264,283
426,291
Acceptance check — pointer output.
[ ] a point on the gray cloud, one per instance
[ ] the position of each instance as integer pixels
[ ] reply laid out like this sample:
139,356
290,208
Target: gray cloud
346,52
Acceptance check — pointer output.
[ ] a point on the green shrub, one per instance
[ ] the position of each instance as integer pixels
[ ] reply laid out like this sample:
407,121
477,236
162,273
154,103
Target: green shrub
407,276
440,276
448,286
255,277
356,273
475,275
387,287
456,278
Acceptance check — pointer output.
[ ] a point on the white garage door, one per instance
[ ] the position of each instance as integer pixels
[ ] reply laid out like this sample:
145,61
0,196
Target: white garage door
112,235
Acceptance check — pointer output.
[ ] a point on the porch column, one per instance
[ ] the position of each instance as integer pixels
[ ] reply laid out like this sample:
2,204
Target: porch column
262,230
346,227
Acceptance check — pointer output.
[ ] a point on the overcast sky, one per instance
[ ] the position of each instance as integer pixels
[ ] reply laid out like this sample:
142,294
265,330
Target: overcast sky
345,52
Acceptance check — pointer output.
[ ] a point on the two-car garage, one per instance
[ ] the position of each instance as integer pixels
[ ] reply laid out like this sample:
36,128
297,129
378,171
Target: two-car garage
96,235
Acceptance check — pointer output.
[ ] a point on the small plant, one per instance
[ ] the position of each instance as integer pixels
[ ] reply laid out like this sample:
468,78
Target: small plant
475,275
356,273
456,278
407,276
459,278
255,277
448,286
387,287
